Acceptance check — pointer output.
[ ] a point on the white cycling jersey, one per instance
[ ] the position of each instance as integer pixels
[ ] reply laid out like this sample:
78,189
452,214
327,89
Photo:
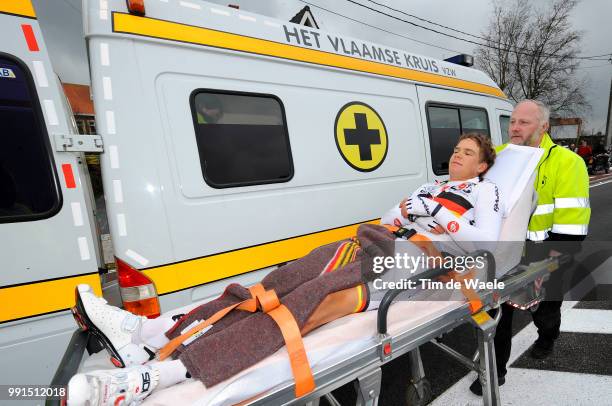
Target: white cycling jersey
464,212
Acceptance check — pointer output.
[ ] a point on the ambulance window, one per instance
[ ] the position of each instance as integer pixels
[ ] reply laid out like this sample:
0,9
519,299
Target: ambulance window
28,183
242,138
504,123
446,124
444,130
474,121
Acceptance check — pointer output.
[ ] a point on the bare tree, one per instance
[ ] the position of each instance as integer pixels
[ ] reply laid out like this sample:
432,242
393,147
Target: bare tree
531,54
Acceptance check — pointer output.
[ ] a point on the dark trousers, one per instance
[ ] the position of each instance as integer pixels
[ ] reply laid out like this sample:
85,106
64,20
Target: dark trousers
547,319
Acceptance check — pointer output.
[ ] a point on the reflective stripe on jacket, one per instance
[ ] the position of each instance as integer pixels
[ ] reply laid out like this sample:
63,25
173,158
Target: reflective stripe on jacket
562,183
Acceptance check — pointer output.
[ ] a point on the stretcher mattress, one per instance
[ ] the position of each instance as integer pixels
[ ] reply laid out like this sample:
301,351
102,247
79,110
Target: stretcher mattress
326,346
336,341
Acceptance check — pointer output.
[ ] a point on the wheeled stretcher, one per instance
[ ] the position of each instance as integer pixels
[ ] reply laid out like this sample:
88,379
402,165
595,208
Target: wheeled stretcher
355,347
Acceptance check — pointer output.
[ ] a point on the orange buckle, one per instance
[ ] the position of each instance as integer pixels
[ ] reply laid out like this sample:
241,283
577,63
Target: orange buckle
268,301
426,245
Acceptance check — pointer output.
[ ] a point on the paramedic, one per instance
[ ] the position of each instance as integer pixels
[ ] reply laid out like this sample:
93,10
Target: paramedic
562,214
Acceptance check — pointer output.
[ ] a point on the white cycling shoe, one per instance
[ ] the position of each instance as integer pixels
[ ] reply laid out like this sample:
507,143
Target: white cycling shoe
113,327
118,387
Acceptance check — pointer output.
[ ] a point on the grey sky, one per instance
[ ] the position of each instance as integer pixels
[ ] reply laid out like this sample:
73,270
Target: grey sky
62,25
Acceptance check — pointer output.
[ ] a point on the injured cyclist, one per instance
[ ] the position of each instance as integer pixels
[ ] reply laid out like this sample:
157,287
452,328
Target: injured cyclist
243,326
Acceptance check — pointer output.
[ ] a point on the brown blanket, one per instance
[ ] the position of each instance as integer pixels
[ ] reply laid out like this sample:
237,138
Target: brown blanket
242,339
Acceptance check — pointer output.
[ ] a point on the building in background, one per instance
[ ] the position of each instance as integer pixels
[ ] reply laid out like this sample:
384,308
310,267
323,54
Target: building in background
79,98
565,131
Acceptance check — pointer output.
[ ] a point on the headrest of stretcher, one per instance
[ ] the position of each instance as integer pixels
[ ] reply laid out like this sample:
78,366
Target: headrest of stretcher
513,168
514,174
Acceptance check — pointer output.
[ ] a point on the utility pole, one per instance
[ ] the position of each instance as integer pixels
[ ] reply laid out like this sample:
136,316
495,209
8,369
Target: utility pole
609,121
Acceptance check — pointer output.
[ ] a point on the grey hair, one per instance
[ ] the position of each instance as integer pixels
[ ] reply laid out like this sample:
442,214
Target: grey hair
543,108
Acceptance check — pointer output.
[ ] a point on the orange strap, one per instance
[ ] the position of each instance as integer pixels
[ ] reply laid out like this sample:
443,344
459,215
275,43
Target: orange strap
249,305
390,227
173,344
426,245
469,293
304,381
267,302
473,298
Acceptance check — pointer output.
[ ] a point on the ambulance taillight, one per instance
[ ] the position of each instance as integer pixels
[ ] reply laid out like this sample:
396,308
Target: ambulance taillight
137,291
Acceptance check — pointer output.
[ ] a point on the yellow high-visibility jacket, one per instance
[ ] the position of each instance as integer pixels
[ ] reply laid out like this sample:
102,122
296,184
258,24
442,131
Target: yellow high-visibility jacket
562,183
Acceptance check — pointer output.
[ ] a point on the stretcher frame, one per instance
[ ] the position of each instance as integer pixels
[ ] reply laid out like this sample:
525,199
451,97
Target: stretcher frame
364,368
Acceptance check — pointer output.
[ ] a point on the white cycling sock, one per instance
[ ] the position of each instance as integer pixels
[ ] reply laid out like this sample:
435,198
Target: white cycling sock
170,372
152,332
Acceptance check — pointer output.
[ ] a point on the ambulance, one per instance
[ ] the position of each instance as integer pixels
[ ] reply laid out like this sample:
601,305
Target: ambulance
230,143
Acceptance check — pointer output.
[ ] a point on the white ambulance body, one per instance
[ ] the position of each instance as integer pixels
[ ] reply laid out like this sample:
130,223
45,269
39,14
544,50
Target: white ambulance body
232,143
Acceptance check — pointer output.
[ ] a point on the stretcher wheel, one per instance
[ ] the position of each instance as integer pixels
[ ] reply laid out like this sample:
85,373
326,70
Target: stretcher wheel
413,394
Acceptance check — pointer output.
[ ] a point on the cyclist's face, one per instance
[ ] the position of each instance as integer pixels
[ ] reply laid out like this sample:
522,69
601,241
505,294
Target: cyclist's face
465,162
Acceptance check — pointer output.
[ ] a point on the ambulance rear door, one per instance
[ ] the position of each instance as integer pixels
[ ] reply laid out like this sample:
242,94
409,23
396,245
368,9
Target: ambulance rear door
46,222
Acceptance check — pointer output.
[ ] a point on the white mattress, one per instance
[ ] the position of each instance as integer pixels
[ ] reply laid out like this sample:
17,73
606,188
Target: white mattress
514,173
326,346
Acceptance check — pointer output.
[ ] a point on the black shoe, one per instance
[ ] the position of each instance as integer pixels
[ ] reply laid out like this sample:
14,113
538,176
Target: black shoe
476,387
541,350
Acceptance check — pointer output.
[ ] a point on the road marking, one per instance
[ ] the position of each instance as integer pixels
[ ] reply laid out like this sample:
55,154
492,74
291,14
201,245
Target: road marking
587,321
459,393
600,183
